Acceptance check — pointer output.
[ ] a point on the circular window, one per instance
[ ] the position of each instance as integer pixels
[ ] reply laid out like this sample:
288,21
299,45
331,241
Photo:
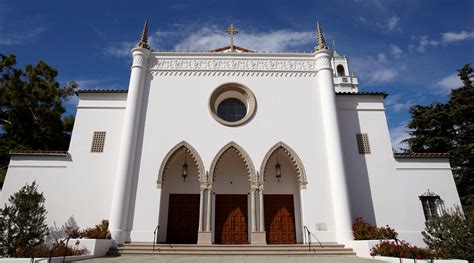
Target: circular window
232,104
231,110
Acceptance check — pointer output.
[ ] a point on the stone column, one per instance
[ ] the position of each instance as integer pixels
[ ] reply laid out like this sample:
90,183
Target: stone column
252,209
124,172
334,154
261,217
201,209
205,237
204,233
209,209
258,235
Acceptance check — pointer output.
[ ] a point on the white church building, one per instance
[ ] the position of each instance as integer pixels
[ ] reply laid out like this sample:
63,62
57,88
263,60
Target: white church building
232,146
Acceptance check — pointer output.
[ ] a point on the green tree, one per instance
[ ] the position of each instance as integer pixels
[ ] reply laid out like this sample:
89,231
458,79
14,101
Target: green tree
450,128
22,223
450,235
31,106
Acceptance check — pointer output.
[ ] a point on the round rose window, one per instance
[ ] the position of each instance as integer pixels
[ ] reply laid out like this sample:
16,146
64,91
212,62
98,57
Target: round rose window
232,104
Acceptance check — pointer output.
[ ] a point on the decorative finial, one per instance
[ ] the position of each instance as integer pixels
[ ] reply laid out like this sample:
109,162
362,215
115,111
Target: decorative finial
320,38
354,74
232,31
143,43
333,44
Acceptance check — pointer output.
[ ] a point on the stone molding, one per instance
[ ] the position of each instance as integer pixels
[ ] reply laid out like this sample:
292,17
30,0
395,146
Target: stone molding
182,146
298,165
234,64
231,73
232,146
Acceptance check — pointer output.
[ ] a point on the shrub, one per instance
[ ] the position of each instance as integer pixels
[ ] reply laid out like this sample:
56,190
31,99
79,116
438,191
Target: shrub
365,231
100,231
58,249
22,223
450,235
391,249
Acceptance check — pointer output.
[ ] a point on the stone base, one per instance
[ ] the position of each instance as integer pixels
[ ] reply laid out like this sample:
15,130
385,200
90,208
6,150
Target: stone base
259,238
204,238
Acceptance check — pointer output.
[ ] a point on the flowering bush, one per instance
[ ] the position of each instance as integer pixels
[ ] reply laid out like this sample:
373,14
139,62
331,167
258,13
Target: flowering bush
391,249
365,231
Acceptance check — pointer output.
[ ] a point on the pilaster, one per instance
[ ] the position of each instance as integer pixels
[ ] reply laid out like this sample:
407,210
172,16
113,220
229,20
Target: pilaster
337,175
125,162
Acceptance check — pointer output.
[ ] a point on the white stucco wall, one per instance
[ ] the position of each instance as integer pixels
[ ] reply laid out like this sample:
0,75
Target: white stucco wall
77,185
383,190
288,110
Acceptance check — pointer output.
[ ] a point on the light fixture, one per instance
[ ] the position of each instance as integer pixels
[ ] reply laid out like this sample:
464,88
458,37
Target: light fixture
278,170
185,169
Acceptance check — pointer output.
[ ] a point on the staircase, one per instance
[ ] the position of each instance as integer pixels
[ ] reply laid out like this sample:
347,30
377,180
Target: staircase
141,248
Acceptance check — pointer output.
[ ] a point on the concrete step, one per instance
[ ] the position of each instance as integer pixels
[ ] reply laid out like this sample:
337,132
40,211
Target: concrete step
150,252
143,248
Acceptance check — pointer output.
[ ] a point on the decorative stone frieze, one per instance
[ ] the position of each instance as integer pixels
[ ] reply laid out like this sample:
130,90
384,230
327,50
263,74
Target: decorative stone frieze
262,65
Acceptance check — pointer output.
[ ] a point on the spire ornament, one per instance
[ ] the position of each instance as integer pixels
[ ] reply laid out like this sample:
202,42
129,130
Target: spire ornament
321,43
143,42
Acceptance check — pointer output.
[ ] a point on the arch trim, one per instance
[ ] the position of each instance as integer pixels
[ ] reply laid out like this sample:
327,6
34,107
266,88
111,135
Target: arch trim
233,146
182,146
295,159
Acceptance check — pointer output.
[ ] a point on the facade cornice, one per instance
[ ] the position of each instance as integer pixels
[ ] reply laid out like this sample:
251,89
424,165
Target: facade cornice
366,93
38,152
101,91
421,155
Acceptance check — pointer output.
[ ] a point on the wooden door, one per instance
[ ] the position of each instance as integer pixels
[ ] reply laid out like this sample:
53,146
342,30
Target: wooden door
183,219
231,219
279,219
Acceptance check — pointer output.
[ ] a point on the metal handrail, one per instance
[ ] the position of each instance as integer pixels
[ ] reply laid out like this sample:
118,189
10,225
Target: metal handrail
308,235
155,236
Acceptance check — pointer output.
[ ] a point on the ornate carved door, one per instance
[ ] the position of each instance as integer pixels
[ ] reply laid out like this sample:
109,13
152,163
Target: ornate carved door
231,219
279,219
183,219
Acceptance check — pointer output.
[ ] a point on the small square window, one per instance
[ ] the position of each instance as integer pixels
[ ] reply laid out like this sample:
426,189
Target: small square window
363,143
98,141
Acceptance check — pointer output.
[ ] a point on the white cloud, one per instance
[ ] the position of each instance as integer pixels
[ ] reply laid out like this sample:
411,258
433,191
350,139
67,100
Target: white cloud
121,49
395,103
211,37
449,37
377,70
383,75
397,135
425,41
20,37
395,51
392,22
449,82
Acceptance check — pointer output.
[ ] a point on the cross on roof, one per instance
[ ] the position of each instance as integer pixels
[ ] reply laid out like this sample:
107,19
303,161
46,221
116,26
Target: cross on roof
232,31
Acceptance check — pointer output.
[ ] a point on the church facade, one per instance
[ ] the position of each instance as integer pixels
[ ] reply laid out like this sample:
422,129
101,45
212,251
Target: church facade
235,147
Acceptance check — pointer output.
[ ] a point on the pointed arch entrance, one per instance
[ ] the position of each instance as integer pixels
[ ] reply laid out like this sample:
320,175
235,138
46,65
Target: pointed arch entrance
232,173
283,177
180,178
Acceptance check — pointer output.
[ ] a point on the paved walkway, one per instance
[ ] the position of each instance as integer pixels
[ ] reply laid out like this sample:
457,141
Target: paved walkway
234,259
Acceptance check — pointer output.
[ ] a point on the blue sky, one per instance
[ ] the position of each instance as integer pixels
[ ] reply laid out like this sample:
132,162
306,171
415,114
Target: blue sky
409,49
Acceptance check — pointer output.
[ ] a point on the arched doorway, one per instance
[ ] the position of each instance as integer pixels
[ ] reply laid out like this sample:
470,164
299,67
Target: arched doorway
283,176
231,174
180,177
